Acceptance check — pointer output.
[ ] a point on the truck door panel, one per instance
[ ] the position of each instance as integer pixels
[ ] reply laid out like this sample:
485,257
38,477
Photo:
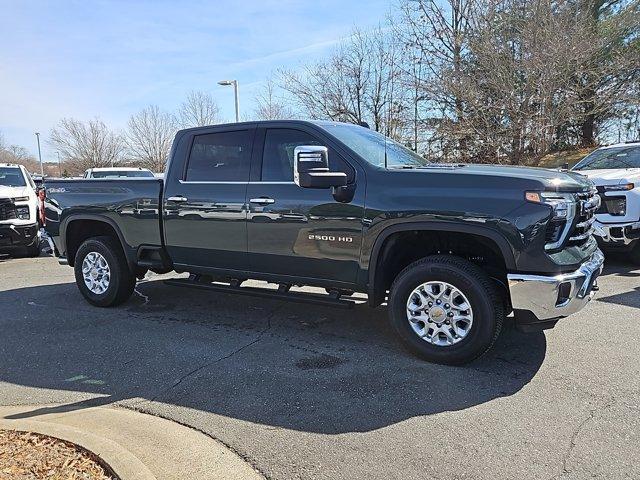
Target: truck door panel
299,231
204,208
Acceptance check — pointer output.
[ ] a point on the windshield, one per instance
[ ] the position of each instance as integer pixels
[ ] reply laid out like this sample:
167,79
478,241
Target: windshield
12,177
372,146
617,157
123,173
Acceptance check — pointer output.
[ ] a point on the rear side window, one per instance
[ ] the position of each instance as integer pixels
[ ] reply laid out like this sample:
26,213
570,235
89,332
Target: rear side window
220,157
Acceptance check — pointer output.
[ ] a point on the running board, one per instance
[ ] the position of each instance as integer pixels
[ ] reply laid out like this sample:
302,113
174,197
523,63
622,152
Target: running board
317,299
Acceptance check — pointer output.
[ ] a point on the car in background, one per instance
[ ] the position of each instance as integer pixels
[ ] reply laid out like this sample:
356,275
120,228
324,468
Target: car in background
615,170
38,180
18,211
118,172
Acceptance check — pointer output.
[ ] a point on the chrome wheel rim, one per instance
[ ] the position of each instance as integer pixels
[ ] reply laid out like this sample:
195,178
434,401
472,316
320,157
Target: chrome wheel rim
439,313
96,273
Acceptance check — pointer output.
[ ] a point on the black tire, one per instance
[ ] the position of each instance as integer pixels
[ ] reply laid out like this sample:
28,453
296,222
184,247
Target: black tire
33,251
635,253
121,280
473,282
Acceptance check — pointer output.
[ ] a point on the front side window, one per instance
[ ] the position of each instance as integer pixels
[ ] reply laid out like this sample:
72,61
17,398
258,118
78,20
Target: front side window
12,177
277,156
220,157
614,157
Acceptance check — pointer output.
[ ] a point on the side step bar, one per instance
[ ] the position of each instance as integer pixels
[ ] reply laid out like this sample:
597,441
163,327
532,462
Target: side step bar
280,294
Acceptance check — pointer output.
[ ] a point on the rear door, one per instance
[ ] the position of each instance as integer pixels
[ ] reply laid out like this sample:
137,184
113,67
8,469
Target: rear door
204,201
302,232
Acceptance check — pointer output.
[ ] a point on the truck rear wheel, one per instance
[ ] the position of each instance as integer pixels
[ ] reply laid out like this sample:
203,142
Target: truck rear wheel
445,309
102,274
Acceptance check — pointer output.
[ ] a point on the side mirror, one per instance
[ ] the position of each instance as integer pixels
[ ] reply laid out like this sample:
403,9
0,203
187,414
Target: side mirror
311,168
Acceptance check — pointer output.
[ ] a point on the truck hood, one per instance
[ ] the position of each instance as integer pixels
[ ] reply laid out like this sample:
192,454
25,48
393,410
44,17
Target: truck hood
614,176
13,192
528,177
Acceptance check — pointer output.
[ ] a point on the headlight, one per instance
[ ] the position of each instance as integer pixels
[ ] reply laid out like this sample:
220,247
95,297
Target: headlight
616,206
21,199
563,211
23,213
619,188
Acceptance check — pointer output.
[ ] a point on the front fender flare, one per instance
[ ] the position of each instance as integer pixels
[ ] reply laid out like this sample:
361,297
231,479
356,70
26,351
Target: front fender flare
500,240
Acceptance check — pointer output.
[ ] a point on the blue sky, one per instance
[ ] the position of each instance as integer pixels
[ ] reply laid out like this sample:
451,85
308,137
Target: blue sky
111,58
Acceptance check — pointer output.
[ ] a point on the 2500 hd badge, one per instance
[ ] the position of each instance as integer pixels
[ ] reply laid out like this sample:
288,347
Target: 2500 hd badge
331,238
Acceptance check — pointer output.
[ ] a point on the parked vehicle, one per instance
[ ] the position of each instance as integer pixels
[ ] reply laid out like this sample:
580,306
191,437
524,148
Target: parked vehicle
18,211
452,249
615,170
118,172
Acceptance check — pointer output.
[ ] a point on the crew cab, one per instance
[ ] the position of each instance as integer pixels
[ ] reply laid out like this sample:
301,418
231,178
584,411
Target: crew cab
18,211
615,170
451,249
118,172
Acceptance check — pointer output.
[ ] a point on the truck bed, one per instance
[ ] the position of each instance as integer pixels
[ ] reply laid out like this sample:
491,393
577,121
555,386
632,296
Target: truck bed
131,206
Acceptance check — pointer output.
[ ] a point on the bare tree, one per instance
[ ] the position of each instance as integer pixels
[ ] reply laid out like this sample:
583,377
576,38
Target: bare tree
358,83
149,137
17,155
269,106
86,145
198,110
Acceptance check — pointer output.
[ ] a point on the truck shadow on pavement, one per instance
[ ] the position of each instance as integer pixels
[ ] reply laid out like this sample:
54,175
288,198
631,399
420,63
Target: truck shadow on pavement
283,365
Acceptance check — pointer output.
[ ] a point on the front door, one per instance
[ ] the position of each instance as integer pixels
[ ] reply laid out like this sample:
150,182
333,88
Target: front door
301,232
204,203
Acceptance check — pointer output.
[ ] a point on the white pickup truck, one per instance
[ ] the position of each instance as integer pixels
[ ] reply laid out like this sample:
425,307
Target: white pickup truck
18,211
615,170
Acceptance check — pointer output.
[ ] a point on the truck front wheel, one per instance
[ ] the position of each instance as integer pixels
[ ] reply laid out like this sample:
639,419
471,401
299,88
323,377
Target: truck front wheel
446,309
102,274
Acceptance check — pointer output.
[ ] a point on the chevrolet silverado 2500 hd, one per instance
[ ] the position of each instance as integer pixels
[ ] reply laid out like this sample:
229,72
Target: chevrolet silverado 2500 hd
18,211
452,249
615,170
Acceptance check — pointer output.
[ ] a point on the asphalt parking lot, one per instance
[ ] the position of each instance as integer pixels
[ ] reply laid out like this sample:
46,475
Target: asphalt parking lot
303,391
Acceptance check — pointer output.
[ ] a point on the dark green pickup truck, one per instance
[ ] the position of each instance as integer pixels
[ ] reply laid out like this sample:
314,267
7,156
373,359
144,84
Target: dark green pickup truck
452,249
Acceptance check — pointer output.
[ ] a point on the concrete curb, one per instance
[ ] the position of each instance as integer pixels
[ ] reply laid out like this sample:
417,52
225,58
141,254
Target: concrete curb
136,446
123,463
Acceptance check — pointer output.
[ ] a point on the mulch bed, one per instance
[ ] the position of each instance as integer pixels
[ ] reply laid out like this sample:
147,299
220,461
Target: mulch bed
29,456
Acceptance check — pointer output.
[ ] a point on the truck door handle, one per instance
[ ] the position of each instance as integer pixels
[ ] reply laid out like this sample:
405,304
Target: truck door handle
177,199
262,201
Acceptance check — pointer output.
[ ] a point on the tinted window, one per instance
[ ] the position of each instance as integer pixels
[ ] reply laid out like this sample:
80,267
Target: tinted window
220,157
277,157
12,177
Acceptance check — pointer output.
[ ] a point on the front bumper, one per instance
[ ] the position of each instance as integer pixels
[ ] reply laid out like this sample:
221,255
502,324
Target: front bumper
18,235
539,301
617,234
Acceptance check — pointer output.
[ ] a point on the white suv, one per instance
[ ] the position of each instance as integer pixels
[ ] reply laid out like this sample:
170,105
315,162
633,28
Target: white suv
615,170
18,210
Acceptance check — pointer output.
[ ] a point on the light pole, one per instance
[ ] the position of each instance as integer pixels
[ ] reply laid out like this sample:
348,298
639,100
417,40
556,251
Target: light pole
226,83
59,164
40,155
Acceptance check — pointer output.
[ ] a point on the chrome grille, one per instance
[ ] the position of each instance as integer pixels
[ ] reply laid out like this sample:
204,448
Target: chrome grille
587,206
